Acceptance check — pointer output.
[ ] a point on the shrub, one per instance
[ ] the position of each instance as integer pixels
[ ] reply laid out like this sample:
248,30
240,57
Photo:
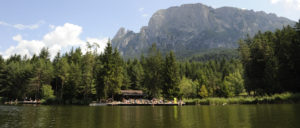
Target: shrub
47,92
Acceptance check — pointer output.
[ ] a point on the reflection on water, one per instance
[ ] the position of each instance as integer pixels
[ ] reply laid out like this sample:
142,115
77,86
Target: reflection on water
231,116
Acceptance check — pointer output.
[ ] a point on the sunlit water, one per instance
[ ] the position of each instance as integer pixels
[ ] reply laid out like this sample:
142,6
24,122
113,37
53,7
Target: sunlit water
230,116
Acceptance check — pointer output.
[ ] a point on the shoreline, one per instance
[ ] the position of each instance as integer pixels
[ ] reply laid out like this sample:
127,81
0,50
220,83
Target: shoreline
282,98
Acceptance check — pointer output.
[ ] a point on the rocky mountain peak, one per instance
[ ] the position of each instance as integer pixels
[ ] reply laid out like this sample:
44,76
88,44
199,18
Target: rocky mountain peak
193,28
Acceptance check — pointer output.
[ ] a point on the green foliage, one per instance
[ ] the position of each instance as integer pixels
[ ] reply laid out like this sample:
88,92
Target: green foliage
72,86
86,88
4,88
215,54
136,74
271,61
110,73
44,54
226,90
19,75
270,99
153,72
171,77
79,78
62,68
235,81
214,74
47,92
126,83
203,92
187,88
42,72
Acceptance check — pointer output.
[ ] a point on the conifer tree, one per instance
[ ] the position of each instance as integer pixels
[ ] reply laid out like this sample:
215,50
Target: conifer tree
171,77
110,73
153,72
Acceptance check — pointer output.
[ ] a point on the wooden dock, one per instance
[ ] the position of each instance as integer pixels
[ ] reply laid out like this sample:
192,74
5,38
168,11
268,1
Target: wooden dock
125,104
23,102
147,104
97,104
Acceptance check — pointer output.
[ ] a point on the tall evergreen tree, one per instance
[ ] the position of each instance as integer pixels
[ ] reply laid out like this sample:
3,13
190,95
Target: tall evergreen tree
271,61
171,77
42,72
110,73
62,72
153,72
18,78
136,73
4,86
87,83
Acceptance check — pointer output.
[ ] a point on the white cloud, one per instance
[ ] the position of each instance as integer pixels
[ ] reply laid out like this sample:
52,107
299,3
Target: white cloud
51,26
274,1
141,9
4,23
289,4
61,38
22,26
145,15
24,47
64,35
101,42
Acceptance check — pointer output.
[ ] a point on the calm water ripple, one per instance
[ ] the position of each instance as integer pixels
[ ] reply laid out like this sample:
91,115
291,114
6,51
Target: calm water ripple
230,116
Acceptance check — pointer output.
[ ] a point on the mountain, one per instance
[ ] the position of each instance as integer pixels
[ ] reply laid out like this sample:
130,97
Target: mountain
195,28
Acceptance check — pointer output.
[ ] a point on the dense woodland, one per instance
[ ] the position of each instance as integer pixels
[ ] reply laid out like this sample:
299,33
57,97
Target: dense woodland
268,63
272,61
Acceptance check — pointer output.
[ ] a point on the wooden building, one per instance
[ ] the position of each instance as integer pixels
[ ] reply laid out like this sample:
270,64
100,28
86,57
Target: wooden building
132,94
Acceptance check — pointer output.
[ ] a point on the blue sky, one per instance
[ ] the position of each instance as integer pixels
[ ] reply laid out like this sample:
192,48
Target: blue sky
28,25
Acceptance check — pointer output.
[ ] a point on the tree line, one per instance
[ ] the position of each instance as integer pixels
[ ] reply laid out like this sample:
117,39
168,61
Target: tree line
75,77
268,63
272,61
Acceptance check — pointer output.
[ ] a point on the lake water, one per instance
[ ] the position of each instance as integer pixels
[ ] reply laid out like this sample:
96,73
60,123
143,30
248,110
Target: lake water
230,116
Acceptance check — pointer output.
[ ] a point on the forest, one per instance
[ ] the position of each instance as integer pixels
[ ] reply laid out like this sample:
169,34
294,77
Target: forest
266,64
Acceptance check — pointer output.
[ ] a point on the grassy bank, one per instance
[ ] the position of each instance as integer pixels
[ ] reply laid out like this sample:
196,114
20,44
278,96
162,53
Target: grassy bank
273,99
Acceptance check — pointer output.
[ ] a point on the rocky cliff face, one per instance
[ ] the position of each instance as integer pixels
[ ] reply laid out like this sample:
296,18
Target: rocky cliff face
193,28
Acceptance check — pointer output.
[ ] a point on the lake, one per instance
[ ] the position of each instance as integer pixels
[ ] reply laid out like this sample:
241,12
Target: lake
229,116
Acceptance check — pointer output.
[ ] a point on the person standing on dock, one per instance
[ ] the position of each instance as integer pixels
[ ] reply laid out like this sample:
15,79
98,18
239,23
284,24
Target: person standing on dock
175,100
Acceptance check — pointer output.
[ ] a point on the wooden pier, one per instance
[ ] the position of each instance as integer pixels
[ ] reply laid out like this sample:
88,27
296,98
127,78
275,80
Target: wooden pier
23,102
139,104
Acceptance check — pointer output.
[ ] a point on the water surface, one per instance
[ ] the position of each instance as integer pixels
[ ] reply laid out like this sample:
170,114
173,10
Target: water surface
230,116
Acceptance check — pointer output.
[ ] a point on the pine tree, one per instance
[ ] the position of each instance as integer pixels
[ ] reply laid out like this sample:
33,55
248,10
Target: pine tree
4,86
136,73
109,73
62,71
18,78
171,77
72,88
126,77
153,72
87,83
42,71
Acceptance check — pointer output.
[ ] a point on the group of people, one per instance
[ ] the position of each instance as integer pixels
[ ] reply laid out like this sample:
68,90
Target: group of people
25,101
153,101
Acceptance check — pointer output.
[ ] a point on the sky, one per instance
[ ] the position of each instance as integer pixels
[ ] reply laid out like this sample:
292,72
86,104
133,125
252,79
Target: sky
26,26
